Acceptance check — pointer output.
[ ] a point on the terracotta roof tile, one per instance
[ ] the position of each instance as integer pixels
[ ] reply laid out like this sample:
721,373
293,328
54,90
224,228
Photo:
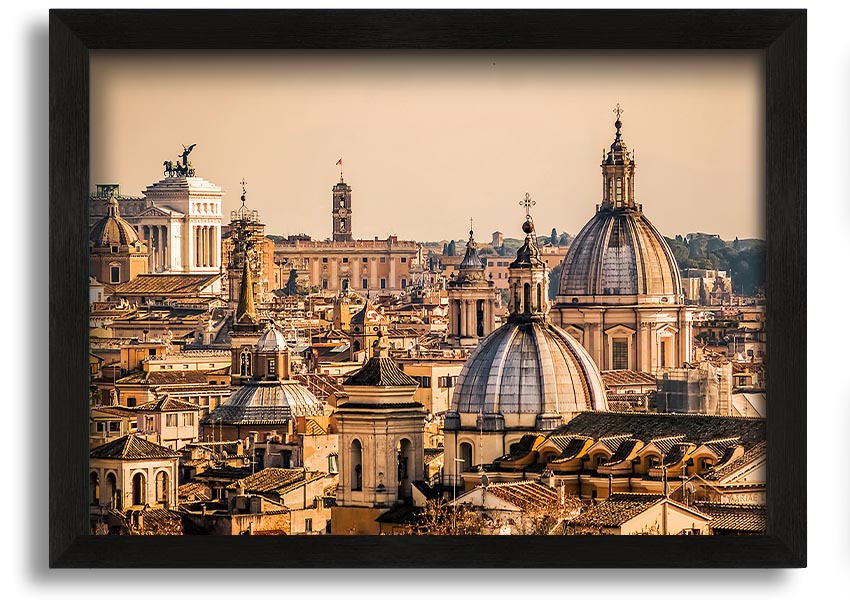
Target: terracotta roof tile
524,494
131,447
616,510
749,518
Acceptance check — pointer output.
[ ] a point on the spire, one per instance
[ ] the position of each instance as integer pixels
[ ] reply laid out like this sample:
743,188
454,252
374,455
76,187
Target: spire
246,290
618,169
528,277
528,255
471,260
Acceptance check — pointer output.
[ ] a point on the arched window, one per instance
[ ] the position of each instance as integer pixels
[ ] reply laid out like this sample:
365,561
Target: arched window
405,464
356,346
356,465
112,491
526,298
479,318
539,299
162,487
245,363
94,489
139,483
465,454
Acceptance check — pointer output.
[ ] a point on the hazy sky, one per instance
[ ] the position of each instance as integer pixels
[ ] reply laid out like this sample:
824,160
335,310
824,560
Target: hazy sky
430,139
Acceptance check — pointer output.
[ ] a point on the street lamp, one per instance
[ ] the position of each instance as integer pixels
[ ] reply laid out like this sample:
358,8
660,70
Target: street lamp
454,496
454,481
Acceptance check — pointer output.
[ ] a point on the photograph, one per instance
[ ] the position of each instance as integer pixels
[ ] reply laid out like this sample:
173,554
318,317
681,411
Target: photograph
427,293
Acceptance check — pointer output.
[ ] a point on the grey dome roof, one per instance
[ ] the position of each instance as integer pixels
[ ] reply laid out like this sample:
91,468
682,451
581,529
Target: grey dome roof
266,403
112,230
620,253
530,367
271,340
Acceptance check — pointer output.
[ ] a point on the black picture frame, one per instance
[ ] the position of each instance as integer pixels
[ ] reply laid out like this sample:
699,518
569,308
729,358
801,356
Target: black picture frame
781,34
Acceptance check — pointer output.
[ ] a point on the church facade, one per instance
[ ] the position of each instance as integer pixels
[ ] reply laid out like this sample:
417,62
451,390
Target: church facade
620,292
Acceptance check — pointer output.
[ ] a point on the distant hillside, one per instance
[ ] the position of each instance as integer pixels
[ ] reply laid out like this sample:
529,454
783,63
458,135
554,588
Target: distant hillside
742,259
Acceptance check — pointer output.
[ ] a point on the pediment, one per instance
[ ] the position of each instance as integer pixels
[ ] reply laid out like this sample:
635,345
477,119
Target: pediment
156,211
621,330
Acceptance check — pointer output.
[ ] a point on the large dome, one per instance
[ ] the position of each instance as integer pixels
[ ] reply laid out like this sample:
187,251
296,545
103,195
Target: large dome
619,253
529,367
112,230
266,403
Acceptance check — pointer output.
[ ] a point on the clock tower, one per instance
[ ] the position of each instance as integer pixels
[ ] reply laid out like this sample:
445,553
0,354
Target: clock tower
341,211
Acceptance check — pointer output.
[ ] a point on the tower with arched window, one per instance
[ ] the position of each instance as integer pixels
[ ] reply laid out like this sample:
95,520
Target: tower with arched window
381,451
472,300
131,472
620,292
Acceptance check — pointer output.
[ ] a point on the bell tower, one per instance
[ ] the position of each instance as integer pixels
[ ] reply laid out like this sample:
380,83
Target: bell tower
341,210
472,300
618,172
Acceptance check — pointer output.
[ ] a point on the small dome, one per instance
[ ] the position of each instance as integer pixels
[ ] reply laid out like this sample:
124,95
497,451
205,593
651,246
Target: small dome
112,230
620,253
272,340
266,403
530,367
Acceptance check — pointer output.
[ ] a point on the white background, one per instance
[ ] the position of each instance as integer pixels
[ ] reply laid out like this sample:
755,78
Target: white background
24,341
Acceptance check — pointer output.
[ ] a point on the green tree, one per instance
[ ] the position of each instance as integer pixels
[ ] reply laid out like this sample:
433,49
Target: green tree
451,249
554,237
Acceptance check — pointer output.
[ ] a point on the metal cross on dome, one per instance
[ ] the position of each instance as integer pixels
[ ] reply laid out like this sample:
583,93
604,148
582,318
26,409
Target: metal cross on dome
527,202
618,111
243,183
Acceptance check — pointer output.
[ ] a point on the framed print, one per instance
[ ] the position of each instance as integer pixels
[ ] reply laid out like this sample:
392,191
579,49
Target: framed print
398,391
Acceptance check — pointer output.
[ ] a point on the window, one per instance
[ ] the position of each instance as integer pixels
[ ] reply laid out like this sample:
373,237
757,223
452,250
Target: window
324,284
114,274
383,283
171,420
423,380
345,260
357,468
324,259
100,426
188,419
403,259
114,249
271,366
446,381
383,259
162,487
364,260
115,426
663,353
342,224
365,282
308,525
404,285
131,401
489,263
620,354
619,189
333,463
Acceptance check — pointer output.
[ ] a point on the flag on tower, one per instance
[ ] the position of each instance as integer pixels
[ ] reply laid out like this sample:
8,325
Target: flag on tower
339,162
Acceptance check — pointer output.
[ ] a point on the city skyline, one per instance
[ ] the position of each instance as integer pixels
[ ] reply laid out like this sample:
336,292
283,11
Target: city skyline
473,133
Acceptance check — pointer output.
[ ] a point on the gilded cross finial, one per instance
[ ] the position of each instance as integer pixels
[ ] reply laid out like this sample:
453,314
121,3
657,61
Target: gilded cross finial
527,202
243,183
618,111
470,226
